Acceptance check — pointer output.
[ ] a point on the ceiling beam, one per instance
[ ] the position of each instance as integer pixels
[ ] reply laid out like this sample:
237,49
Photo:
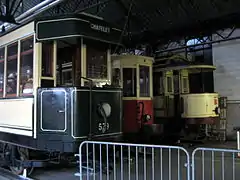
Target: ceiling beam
193,29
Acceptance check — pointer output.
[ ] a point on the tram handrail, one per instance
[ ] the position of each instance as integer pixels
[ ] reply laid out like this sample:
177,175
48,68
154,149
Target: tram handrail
90,104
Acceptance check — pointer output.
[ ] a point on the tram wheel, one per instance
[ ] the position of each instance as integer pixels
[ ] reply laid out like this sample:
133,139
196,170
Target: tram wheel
21,154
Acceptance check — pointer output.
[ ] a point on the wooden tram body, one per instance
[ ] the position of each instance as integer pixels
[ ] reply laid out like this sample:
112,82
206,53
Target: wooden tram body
52,76
180,104
134,74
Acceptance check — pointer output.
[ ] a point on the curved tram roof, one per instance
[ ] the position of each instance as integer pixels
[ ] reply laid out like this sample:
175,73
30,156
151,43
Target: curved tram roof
191,68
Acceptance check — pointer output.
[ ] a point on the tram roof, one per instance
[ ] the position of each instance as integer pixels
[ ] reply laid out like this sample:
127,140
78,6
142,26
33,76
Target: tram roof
191,68
150,21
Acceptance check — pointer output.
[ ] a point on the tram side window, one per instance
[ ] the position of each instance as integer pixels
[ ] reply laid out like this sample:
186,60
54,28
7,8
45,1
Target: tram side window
144,81
26,67
2,55
96,60
47,59
11,85
129,82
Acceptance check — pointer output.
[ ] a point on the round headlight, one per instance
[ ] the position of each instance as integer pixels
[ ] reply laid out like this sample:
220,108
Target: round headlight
147,117
106,108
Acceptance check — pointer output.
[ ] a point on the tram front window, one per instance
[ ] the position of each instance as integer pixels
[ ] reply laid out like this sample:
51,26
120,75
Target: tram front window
96,59
68,62
144,81
129,82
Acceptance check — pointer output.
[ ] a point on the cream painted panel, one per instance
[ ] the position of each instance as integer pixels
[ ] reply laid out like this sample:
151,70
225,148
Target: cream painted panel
16,131
200,105
15,35
16,113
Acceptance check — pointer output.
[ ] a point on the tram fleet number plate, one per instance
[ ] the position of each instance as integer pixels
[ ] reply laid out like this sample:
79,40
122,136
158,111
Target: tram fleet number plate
102,127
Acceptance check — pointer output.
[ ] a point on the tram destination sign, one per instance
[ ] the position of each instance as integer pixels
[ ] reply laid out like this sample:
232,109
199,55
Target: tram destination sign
100,28
76,27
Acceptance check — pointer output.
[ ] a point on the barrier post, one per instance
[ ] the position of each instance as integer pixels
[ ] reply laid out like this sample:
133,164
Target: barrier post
238,139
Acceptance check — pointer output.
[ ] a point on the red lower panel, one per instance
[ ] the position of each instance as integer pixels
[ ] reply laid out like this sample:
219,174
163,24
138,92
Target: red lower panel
133,112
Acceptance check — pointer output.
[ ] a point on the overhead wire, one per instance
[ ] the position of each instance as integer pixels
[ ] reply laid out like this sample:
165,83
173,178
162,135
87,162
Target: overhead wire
124,27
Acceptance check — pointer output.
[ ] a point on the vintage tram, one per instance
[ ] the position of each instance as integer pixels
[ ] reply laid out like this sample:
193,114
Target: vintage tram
182,104
134,74
53,71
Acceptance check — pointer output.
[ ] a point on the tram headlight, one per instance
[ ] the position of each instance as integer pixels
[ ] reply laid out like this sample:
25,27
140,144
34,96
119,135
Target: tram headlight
147,117
106,108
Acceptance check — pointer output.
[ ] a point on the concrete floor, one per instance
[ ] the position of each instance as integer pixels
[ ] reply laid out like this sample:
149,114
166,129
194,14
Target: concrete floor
55,174
211,166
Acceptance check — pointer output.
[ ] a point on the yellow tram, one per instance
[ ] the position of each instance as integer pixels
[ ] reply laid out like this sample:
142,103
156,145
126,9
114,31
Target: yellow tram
180,101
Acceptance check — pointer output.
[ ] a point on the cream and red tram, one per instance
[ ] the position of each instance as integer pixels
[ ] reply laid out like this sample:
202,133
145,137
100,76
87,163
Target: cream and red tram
52,73
180,99
134,74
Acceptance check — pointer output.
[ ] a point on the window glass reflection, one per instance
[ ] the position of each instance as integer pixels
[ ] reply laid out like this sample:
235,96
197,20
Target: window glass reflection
144,81
11,89
2,54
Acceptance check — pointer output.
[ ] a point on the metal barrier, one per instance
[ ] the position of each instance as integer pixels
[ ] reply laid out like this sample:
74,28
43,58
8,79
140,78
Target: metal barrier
215,164
122,161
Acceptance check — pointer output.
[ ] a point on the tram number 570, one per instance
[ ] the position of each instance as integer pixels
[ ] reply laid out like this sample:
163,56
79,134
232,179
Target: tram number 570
102,127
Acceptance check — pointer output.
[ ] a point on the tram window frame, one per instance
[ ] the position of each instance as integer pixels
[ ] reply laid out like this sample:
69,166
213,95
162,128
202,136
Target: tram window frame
129,79
28,54
47,59
11,57
2,63
144,90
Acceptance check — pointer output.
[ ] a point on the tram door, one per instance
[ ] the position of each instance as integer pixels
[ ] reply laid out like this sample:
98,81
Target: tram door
52,101
163,95
58,59
169,84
